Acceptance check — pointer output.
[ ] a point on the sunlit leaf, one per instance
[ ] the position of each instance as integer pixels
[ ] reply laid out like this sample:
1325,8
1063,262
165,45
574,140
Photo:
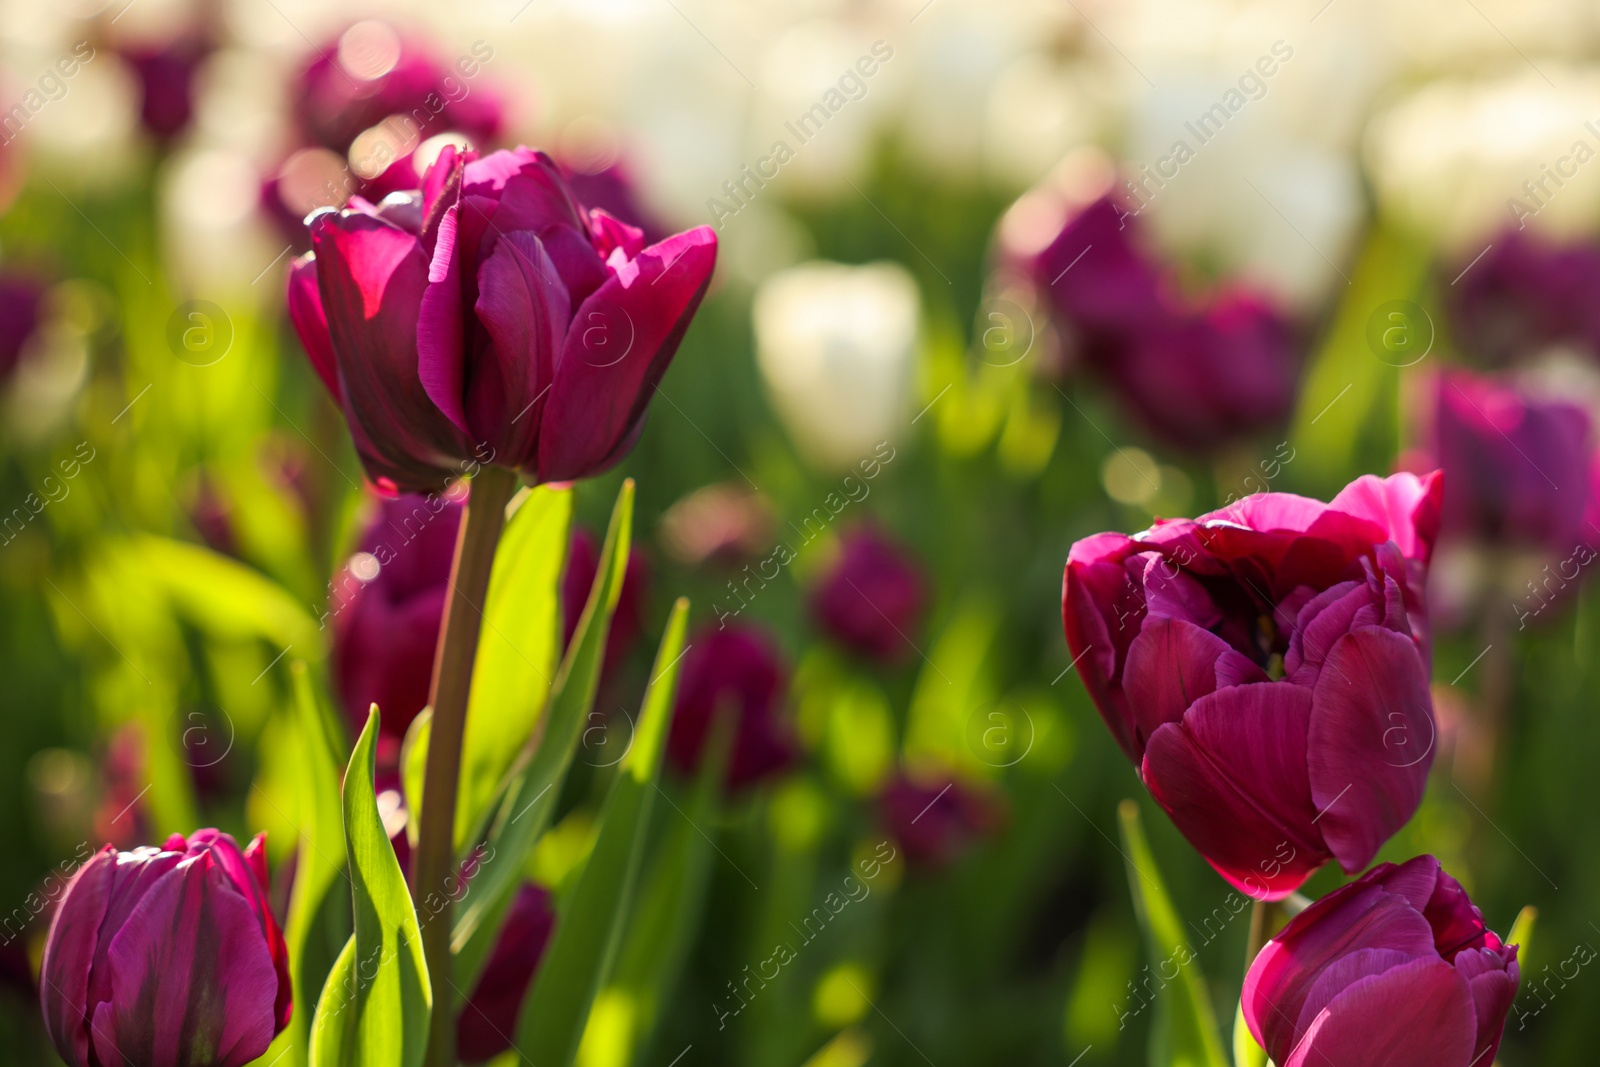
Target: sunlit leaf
589,927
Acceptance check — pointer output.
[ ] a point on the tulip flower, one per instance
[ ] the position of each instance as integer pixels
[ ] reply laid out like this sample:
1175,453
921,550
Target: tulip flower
1266,667
167,957
20,298
1526,295
936,819
491,317
1517,465
489,1017
166,73
387,605
1195,372
836,345
871,599
735,670
1393,970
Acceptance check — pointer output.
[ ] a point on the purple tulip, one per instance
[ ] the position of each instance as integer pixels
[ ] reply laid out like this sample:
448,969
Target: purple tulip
491,317
1393,970
166,73
489,1017
167,957
736,670
936,820
1517,466
1195,373
1266,666
612,190
583,562
387,605
871,599
1527,294
334,103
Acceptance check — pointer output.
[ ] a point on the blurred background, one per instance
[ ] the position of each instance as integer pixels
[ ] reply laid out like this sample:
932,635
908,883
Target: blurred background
901,375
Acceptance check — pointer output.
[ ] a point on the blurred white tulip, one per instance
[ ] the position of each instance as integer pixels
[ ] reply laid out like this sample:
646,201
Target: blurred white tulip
836,347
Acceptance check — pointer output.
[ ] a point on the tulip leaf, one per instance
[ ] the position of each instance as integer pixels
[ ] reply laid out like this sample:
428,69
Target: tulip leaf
413,769
671,896
1185,1029
594,914
536,775
1246,1053
319,920
518,649
374,1008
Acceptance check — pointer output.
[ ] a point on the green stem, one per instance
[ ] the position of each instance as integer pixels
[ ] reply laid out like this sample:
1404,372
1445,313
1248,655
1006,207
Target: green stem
481,522
1266,916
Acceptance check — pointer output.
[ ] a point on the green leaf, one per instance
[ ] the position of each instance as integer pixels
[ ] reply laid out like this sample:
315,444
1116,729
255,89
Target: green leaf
228,599
374,1008
1246,1053
672,894
518,649
590,925
1185,1030
413,769
541,766
319,922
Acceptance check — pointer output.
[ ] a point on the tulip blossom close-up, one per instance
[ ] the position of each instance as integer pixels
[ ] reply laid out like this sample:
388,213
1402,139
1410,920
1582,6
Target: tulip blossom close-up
882,533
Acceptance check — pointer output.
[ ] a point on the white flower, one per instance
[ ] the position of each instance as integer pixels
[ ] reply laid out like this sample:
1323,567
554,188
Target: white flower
835,344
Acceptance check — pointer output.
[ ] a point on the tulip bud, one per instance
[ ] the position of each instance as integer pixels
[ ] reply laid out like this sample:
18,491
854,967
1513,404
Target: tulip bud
489,317
871,599
387,605
1266,666
1517,465
1394,969
167,957
1525,295
21,297
936,819
836,344
489,1017
733,671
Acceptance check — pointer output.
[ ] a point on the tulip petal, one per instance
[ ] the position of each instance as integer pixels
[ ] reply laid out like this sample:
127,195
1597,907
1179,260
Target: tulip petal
619,345
191,976
1492,981
1092,589
311,322
1280,979
69,953
523,306
1417,1013
372,277
1232,775
1372,739
1407,506
1171,664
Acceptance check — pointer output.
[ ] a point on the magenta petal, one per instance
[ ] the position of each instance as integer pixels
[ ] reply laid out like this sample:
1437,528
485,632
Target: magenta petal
68,954
441,365
1281,977
191,977
1232,775
523,306
1492,979
1372,741
1417,1013
1406,505
1171,664
311,323
619,345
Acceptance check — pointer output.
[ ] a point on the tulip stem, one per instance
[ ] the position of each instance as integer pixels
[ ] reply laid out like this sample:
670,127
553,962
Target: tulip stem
481,523
1265,917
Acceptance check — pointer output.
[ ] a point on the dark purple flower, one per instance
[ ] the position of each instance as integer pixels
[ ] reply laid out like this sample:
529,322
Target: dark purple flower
1516,467
1527,294
166,73
1266,666
489,1017
583,561
387,605
612,190
738,671
1393,970
20,298
1195,373
167,957
871,599
936,819
491,317
371,73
